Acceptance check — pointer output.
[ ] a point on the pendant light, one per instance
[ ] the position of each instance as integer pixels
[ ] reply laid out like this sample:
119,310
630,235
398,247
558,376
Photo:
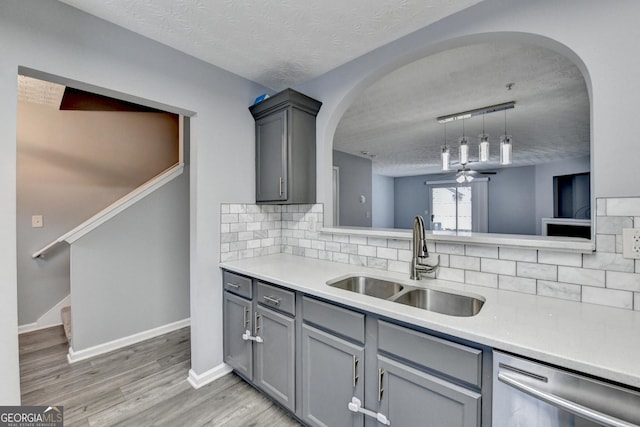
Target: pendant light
464,148
505,145
483,146
445,155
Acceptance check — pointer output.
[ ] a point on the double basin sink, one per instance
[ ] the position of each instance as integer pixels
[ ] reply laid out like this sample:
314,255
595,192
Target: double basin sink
449,303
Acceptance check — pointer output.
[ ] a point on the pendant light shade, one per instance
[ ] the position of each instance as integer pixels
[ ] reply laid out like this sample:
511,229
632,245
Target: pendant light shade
483,148
464,150
505,150
446,158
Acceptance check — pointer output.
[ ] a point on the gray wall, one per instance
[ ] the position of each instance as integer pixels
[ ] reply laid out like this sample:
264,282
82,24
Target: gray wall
383,205
131,274
518,196
63,41
355,180
410,200
512,201
71,165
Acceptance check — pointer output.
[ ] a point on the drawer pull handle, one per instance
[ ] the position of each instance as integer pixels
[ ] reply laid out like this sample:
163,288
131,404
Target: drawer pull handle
245,318
355,370
380,389
233,285
271,299
280,187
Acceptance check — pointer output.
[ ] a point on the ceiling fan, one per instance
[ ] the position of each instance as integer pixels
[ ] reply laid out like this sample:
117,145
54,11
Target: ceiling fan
464,174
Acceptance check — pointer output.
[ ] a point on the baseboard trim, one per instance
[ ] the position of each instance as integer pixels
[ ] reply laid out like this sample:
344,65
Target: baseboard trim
87,353
200,380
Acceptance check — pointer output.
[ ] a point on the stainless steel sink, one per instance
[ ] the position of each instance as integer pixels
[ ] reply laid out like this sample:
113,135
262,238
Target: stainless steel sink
441,302
371,286
449,303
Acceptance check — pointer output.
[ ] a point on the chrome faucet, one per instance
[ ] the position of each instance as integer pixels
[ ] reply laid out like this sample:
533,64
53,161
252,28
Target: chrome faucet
420,252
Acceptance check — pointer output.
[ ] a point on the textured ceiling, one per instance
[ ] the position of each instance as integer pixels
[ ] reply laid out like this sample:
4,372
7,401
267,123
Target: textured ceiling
278,43
395,118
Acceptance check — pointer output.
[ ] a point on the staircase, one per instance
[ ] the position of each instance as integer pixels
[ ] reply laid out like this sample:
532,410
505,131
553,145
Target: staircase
65,313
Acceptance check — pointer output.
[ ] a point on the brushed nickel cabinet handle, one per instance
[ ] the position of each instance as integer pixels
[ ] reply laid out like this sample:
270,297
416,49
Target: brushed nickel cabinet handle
380,389
355,370
271,299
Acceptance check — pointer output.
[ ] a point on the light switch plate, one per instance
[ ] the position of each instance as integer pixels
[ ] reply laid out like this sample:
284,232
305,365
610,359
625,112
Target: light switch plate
37,221
631,243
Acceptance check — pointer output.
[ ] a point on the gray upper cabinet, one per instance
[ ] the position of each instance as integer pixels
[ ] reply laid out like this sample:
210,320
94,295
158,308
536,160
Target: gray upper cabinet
286,148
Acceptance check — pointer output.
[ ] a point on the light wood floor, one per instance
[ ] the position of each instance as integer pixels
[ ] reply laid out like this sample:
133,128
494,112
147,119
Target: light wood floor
140,385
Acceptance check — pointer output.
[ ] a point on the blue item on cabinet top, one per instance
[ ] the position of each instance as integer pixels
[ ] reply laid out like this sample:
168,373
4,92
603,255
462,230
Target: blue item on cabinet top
260,98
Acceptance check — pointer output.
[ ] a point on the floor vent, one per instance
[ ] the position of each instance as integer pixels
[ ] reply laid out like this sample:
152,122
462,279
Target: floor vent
65,313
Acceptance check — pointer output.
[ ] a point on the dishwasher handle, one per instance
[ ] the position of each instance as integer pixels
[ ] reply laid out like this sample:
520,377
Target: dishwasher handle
567,405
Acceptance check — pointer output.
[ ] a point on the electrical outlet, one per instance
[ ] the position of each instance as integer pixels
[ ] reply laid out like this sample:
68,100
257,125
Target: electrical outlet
312,223
36,221
631,243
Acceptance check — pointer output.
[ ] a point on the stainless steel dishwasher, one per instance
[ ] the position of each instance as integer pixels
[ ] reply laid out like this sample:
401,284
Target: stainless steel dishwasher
530,394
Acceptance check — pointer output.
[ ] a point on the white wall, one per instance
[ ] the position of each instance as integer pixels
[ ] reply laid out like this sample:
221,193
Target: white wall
382,200
60,40
605,56
71,165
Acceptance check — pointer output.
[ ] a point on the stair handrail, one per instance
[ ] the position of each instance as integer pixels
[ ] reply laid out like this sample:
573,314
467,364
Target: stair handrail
113,209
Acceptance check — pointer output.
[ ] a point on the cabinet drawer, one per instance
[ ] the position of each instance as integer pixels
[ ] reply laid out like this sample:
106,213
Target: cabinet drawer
342,321
452,359
237,284
277,298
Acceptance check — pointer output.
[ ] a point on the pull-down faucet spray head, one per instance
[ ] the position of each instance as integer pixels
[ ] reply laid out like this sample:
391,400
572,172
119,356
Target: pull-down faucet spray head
420,252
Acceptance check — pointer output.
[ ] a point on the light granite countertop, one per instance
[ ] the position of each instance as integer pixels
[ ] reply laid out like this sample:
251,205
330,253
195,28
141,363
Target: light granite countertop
593,339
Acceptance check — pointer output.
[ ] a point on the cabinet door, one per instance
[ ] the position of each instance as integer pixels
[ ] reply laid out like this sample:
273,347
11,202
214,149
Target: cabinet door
275,356
271,157
333,372
410,397
237,319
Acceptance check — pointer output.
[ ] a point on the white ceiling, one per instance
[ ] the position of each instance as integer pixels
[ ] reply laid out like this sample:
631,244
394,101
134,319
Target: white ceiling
395,118
278,43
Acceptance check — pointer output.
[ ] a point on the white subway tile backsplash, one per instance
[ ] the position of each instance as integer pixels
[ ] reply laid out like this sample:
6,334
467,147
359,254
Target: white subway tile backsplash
560,258
627,206
497,266
366,250
623,281
449,248
537,271
581,276
453,274
377,263
518,254
464,262
377,241
612,224
606,243
518,284
607,261
249,230
358,240
559,290
481,251
387,253
609,297
481,279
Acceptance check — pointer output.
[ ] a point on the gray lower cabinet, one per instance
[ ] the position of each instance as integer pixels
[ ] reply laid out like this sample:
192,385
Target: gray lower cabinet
238,352
412,397
332,373
274,370
259,342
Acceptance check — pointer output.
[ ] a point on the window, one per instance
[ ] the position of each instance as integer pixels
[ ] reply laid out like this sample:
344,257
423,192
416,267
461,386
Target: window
457,207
